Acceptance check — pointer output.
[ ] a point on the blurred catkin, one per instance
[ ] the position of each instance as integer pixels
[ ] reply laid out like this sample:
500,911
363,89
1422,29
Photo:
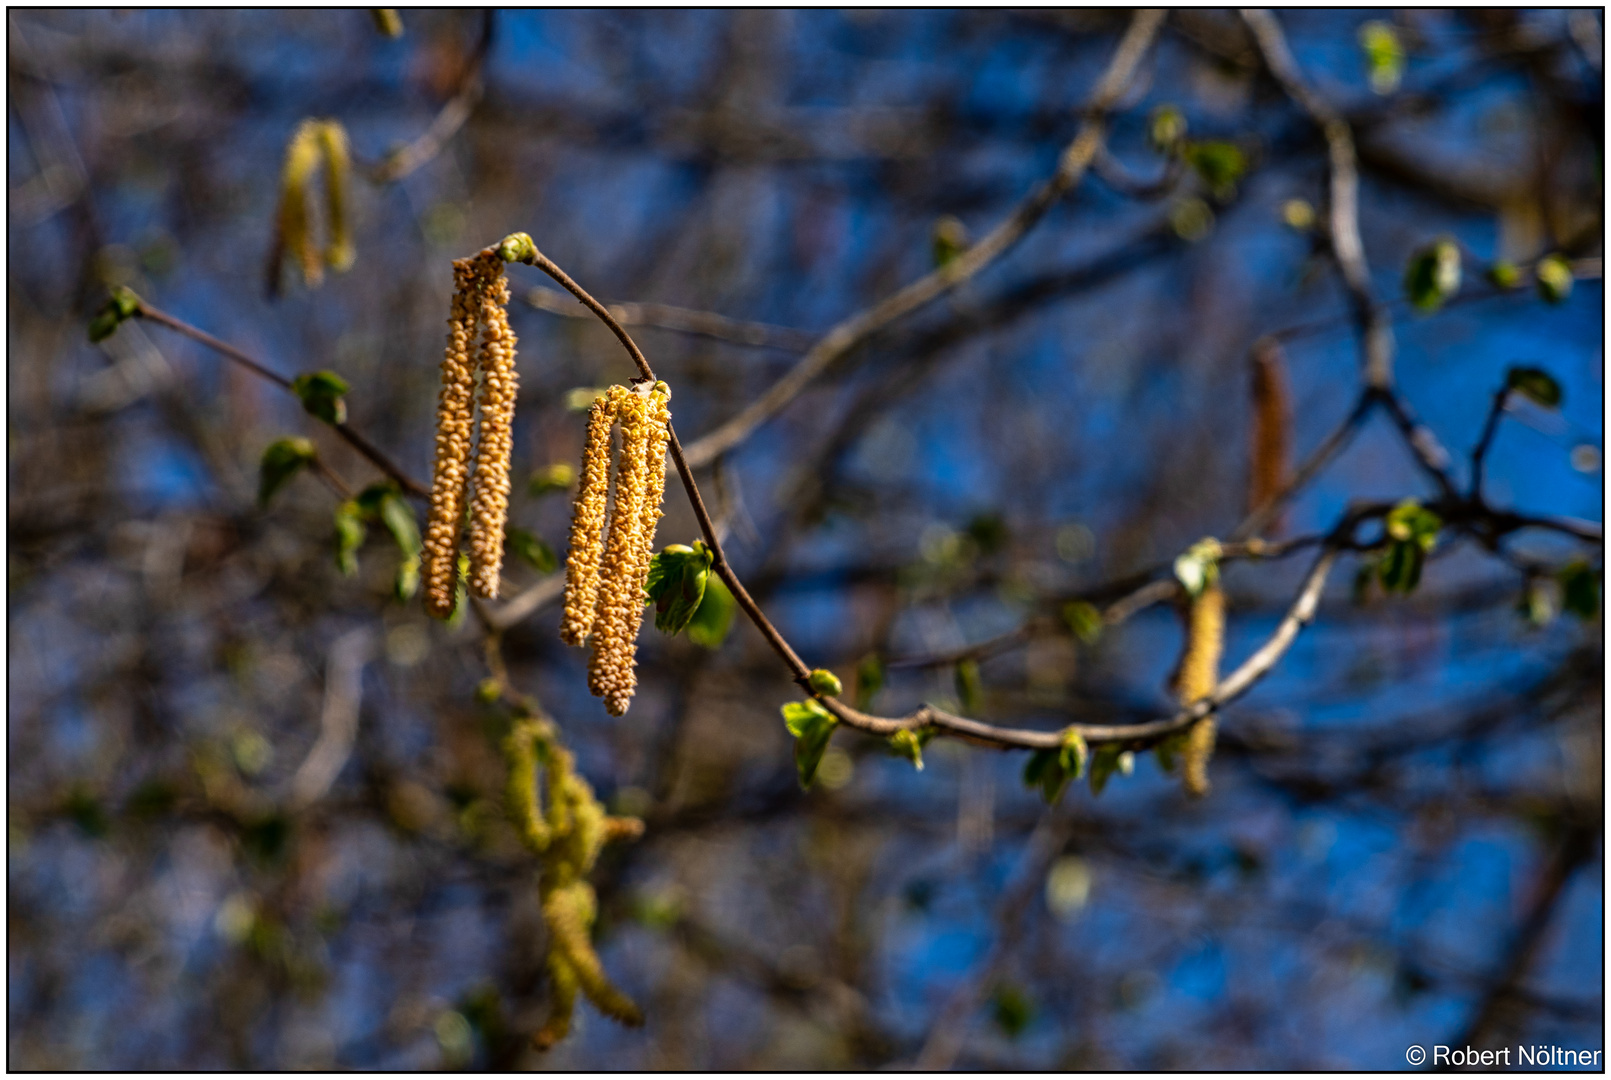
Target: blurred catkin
339,253
294,227
313,141
1198,675
490,505
1270,463
568,841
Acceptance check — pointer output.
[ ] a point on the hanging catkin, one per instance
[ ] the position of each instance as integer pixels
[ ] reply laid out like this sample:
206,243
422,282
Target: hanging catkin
1197,677
480,296
489,507
1270,463
454,422
609,564
313,141
587,522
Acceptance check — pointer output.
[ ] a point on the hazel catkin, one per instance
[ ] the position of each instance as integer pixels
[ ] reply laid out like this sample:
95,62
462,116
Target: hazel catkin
495,446
1198,675
454,423
610,563
587,522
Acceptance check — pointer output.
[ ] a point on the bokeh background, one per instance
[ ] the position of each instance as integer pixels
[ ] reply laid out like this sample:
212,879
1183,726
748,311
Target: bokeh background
1404,840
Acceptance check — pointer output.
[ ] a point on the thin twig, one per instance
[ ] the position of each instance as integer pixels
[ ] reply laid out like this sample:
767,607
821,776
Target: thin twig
1076,158
353,438
399,163
1480,451
338,721
950,1029
682,320
1329,447
1376,328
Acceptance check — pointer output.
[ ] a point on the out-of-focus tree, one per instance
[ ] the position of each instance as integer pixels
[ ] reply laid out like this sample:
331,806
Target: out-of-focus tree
1088,412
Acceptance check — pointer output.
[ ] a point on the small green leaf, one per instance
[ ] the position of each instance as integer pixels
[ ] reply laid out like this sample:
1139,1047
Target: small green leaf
869,679
283,459
812,727
1072,755
1166,127
1012,1011
710,624
1554,274
321,393
350,533
398,517
801,717
950,240
1384,55
970,688
1221,164
676,584
408,578
1580,590
122,305
826,682
488,690
461,594
531,549
1410,521
1433,275
556,477
909,745
1536,385
1400,568
1104,764
1504,274
1044,770
1084,620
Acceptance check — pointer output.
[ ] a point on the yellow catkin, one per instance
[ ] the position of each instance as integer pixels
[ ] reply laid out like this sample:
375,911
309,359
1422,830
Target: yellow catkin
339,253
610,672
640,480
454,422
587,524
295,229
656,420
490,504
1199,674
1270,459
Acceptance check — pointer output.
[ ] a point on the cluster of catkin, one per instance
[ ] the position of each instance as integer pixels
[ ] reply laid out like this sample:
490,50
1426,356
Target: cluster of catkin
607,565
567,836
480,300
314,141
1196,678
